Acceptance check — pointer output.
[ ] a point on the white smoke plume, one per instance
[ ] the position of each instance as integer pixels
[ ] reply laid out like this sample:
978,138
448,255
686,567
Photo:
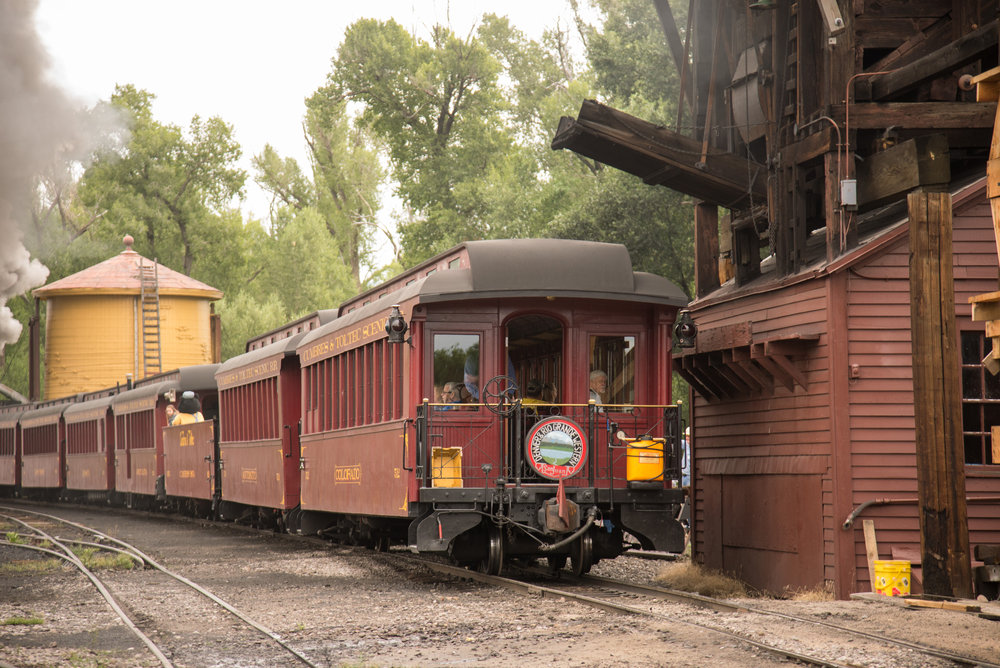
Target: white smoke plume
37,124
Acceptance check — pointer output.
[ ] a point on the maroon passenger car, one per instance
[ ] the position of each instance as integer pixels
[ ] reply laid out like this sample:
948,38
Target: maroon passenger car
10,446
43,456
385,458
90,446
259,431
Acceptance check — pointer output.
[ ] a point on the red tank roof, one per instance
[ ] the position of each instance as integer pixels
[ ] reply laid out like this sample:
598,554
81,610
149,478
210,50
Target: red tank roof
120,274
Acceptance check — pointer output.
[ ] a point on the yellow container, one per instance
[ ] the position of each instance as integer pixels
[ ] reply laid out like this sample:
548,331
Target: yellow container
892,577
446,467
644,460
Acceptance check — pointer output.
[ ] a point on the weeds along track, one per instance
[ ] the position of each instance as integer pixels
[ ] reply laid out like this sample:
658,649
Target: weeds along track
91,552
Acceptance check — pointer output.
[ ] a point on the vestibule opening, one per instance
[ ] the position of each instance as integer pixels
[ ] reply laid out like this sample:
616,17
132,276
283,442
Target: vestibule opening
535,355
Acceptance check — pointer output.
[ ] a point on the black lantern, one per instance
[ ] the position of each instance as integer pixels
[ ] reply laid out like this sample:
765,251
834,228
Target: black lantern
685,330
395,326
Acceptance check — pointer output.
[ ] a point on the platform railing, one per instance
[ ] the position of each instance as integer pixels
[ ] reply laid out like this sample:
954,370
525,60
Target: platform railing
480,448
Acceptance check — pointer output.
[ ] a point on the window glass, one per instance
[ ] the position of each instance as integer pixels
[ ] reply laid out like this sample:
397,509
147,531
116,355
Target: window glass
456,367
980,402
612,369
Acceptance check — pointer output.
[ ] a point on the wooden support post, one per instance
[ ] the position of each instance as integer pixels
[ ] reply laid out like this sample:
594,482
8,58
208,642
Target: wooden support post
937,399
706,248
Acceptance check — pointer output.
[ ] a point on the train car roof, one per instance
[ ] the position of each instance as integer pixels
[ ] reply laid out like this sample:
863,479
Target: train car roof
194,377
550,268
301,325
197,377
82,411
530,268
256,364
514,268
45,414
11,413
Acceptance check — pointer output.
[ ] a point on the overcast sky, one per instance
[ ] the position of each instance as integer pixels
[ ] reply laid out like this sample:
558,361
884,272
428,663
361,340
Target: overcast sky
252,62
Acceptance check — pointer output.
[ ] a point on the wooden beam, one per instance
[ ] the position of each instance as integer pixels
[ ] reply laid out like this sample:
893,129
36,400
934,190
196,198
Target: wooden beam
718,384
695,382
758,355
943,61
771,351
724,336
937,399
718,361
886,176
811,147
741,356
918,115
673,36
754,384
644,149
706,248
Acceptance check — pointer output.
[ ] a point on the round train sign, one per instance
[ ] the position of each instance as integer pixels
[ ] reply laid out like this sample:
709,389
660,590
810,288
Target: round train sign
556,448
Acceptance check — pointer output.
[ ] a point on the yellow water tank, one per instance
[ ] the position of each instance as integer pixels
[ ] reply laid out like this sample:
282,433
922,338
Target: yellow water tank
99,327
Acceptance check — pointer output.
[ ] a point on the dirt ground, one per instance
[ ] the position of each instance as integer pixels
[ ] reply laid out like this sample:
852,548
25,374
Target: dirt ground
351,607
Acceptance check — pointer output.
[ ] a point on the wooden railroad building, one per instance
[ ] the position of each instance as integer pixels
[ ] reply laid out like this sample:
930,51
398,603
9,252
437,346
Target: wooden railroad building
842,225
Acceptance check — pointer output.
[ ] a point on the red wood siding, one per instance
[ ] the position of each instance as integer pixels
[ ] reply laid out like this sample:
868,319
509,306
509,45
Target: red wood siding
761,460
848,439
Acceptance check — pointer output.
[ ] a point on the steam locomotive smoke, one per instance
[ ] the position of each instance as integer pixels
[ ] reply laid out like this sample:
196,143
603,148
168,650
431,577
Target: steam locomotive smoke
36,124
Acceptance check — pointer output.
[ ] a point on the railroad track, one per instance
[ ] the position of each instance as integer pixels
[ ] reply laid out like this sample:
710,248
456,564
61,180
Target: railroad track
37,532
746,628
739,622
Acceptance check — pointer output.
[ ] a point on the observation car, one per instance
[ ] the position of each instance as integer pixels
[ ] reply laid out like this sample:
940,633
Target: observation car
384,459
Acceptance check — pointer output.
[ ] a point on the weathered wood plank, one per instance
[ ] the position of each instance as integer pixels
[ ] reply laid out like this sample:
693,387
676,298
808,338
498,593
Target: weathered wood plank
964,50
937,398
885,176
706,248
919,115
871,548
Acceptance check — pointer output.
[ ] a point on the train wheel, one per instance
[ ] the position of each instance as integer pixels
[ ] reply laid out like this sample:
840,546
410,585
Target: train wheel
556,562
493,562
582,555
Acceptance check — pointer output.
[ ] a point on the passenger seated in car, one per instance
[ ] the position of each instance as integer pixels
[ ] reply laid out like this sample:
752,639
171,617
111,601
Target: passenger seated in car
598,386
533,392
450,395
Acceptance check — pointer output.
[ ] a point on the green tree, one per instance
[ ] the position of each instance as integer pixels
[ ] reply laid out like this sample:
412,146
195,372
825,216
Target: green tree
165,186
346,175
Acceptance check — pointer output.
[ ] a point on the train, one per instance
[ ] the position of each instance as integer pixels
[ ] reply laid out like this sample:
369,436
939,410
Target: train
338,423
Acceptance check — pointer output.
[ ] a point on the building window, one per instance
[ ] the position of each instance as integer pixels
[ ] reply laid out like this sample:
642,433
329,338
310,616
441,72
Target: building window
980,402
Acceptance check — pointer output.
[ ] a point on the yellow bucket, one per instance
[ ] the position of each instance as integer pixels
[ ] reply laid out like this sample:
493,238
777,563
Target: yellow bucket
892,577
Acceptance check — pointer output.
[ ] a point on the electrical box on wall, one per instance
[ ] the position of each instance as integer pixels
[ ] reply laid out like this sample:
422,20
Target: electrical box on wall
849,192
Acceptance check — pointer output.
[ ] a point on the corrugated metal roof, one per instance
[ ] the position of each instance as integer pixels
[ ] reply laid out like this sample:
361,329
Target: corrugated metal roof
120,274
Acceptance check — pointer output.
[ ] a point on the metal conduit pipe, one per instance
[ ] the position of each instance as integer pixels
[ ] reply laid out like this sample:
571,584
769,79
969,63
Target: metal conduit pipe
849,522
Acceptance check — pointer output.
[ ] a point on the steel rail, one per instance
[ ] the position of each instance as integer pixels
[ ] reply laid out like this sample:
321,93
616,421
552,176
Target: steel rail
180,578
526,588
75,560
706,601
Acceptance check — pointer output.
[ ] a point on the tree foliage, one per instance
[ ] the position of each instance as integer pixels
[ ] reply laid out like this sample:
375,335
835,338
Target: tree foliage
165,186
459,126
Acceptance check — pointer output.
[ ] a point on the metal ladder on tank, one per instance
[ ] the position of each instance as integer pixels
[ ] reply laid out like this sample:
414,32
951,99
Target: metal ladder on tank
149,301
